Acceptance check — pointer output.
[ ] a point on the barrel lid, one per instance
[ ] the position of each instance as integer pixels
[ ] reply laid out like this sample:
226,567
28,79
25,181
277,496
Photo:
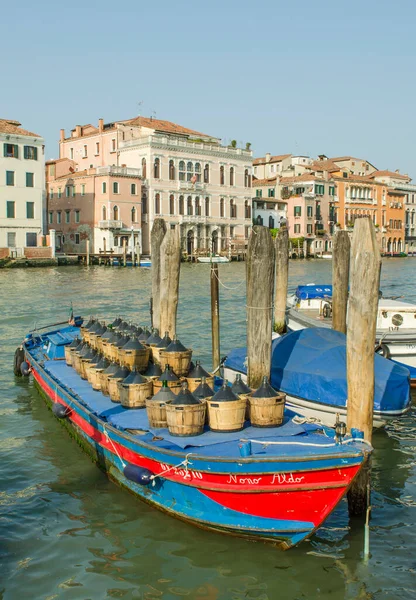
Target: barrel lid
101,330
122,341
123,326
203,390
111,369
103,363
198,372
96,325
224,394
113,337
176,346
133,344
121,373
144,335
134,378
138,329
265,390
116,322
154,338
96,358
89,354
165,394
239,387
185,397
85,349
165,341
90,323
107,333
153,370
75,342
168,375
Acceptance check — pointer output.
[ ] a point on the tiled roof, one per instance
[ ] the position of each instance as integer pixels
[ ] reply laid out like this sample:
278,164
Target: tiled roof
356,178
273,159
13,127
56,160
260,182
299,178
323,165
389,174
165,126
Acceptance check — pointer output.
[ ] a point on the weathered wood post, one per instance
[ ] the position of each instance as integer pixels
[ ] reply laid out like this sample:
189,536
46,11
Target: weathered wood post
260,274
87,244
215,316
124,252
340,276
282,275
156,238
361,334
170,267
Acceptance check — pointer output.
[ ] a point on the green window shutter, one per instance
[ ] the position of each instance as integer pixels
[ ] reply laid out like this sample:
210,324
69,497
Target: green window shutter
35,153
16,151
4,149
25,152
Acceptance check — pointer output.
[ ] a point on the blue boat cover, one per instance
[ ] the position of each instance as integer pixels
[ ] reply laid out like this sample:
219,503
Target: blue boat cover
305,292
311,364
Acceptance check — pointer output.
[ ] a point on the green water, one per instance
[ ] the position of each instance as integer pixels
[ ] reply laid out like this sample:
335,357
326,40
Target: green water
67,532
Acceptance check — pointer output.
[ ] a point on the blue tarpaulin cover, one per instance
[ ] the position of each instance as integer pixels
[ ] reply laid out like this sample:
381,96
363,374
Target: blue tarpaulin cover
311,364
305,292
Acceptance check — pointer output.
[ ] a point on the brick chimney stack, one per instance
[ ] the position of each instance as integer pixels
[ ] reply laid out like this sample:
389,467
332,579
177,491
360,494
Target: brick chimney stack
62,135
100,125
268,157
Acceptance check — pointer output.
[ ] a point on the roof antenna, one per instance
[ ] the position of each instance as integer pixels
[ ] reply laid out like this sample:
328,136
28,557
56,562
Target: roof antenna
153,115
140,104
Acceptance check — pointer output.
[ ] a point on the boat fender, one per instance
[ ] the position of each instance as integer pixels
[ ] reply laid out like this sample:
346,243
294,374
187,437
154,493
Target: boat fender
19,358
25,368
138,474
326,311
60,411
383,350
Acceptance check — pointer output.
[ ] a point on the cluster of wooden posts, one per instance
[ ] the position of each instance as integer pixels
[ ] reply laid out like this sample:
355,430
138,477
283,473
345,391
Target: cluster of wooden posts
356,277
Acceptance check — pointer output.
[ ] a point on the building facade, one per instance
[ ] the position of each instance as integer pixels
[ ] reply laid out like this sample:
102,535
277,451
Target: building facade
188,177
22,184
102,205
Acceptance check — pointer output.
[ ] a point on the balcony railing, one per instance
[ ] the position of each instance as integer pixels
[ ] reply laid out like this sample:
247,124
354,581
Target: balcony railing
113,170
110,224
198,186
193,219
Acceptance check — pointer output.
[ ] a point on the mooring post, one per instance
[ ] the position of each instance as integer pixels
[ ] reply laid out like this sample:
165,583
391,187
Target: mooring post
88,251
340,276
282,275
215,316
260,274
156,238
361,334
170,266
124,252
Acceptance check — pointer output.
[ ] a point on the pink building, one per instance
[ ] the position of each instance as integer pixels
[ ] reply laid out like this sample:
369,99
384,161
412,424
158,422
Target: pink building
101,204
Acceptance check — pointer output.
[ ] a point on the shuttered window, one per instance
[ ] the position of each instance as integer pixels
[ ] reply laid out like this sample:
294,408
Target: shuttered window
11,150
30,152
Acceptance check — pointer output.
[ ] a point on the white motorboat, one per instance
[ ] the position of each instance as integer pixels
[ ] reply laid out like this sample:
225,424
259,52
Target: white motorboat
311,306
213,259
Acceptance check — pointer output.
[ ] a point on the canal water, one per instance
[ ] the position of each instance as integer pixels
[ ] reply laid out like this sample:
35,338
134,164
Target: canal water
67,532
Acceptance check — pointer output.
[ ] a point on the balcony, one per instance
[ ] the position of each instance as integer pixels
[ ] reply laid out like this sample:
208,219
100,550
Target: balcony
198,186
113,170
110,224
193,219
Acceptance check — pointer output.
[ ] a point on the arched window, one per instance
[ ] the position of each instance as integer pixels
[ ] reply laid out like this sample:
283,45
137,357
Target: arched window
233,209
115,213
231,175
182,170
246,179
222,179
144,168
144,204
198,171
207,206
181,211
247,210
157,204
156,168
197,207
271,222
172,204
189,206
104,213
206,173
171,170
189,171
133,215
221,207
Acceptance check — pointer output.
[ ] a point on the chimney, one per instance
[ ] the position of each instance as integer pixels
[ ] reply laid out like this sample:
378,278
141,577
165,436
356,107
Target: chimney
78,130
62,136
397,171
268,157
100,125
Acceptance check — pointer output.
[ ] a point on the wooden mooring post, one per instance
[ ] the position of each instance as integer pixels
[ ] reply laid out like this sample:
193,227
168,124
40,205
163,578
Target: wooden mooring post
340,277
282,275
215,316
124,252
361,333
260,278
170,266
156,238
87,258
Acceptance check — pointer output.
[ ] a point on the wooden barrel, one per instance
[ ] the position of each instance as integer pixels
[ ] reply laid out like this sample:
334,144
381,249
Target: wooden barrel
106,348
178,361
103,378
175,386
134,395
156,413
76,363
155,352
94,378
194,383
226,416
68,356
113,388
267,412
88,369
185,420
134,359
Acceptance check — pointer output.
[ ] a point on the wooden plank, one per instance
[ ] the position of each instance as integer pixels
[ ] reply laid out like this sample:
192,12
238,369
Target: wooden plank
215,316
260,274
282,274
124,252
156,238
340,278
361,333
170,265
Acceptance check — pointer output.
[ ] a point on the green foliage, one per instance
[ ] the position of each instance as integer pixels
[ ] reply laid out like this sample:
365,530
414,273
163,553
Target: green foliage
274,232
233,144
248,145
297,241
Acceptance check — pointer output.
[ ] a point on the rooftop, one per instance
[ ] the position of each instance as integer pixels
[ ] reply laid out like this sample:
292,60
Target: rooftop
259,182
14,127
273,159
392,174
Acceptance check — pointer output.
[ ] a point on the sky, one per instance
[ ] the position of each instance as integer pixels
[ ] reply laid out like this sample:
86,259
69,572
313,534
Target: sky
294,76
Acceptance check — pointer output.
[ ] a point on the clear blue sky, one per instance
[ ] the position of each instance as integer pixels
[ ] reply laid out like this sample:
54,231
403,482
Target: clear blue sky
289,76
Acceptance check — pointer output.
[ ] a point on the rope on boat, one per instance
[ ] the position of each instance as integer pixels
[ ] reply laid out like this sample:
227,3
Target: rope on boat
184,463
115,449
264,443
